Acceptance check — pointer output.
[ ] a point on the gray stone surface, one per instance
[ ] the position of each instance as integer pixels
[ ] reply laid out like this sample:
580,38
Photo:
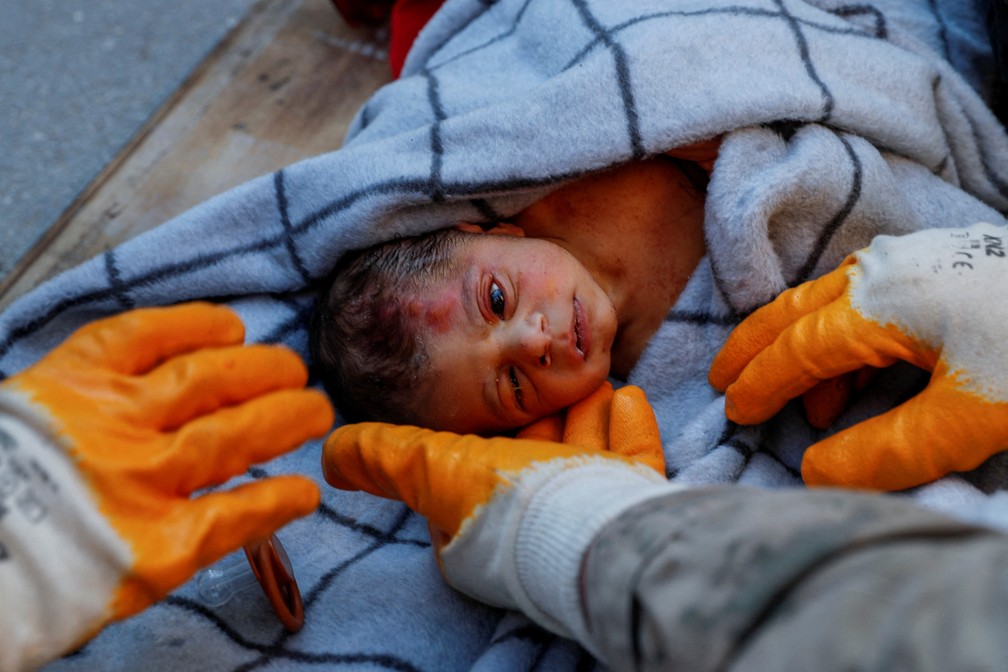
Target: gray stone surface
77,80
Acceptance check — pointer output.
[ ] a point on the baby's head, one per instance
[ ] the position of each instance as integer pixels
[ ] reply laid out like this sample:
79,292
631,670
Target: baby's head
461,331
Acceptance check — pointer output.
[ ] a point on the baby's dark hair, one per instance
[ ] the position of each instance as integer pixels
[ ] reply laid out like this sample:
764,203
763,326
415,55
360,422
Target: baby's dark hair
367,351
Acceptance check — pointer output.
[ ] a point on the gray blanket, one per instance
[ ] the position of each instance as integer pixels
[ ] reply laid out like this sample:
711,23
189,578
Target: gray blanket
840,121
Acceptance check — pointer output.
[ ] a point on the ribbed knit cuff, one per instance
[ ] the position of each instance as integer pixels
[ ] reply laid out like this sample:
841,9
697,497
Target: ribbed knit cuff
60,560
563,517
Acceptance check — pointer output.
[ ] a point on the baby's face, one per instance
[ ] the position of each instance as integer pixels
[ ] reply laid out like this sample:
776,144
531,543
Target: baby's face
522,332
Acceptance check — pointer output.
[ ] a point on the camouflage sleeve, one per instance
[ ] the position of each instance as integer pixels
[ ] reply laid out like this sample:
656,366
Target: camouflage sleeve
732,578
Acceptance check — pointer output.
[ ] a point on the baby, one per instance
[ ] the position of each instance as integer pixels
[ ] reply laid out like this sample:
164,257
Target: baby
467,331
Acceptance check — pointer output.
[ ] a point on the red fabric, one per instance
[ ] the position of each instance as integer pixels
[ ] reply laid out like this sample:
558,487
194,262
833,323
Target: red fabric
408,17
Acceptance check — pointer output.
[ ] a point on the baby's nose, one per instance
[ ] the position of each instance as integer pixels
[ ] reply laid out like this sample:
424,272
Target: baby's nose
535,340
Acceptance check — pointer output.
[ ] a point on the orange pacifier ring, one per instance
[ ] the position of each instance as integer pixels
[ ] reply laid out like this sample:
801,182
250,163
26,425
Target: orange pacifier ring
273,571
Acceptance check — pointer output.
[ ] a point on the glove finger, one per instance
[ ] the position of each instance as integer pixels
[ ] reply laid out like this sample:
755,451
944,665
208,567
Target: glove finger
434,473
760,329
135,341
440,475
203,530
250,512
550,428
587,425
941,430
633,428
826,400
829,342
191,385
215,447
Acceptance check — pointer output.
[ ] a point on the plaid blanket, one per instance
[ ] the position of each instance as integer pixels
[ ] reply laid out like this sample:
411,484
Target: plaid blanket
839,121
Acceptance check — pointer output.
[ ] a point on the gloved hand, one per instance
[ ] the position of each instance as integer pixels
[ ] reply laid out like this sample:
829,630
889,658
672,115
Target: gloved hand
934,299
475,491
101,444
614,421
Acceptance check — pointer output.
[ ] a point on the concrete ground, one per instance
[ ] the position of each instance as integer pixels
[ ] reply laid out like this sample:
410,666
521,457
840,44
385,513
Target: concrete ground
78,80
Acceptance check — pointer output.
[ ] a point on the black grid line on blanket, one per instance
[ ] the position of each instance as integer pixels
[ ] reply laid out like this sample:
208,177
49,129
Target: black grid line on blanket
289,328
280,647
623,77
436,188
289,239
608,36
502,36
827,231
119,290
528,633
833,225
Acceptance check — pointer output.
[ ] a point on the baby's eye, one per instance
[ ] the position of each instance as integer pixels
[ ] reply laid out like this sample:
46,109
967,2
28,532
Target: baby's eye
516,388
496,297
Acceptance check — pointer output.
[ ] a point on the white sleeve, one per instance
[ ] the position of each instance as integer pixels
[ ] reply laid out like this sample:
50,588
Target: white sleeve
525,549
60,561
561,523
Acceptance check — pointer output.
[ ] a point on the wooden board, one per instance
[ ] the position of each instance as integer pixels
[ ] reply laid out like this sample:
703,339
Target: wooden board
282,86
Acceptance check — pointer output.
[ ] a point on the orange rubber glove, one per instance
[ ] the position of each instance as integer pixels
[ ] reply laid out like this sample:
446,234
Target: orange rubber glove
615,421
933,299
101,444
476,492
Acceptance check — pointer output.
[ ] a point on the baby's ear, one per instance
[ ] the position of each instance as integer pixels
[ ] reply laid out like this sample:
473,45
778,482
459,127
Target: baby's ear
496,229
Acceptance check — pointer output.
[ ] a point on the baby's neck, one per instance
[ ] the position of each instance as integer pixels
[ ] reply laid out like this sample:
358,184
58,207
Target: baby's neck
646,272
638,229
641,313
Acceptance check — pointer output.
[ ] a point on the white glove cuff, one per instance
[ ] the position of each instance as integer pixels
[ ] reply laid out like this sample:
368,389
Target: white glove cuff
523,549
60,561
563,517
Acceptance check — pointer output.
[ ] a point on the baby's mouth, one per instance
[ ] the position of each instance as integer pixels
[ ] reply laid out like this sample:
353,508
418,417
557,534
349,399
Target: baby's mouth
582,332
